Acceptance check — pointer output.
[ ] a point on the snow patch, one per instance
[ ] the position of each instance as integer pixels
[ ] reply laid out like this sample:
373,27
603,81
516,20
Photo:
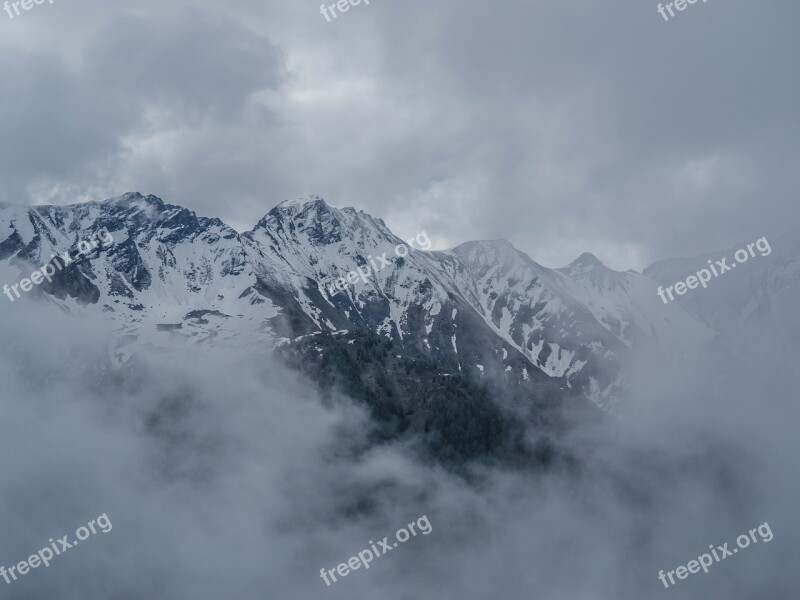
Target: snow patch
558,362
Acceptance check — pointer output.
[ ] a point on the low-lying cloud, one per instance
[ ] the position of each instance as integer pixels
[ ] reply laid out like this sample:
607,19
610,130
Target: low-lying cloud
225,475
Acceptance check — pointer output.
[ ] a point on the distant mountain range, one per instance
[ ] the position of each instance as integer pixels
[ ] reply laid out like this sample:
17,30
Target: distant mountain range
482,312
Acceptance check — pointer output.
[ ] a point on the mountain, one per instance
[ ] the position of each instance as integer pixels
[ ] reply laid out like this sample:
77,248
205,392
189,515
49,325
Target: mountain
752,307
483,312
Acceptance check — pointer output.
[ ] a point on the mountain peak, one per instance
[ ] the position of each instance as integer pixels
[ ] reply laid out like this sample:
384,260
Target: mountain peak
131,198
587,259
301,203
488,253
292,207
497,246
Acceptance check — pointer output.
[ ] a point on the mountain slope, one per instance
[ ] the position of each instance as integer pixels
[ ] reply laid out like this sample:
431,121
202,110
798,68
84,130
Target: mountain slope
483,310
751,306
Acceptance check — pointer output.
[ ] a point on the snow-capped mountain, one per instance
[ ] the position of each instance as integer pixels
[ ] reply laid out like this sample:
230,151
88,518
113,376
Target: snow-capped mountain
751,307
483,309
165,270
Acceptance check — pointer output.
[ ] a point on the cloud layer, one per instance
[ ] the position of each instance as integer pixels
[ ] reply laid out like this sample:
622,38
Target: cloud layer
224,475
563,127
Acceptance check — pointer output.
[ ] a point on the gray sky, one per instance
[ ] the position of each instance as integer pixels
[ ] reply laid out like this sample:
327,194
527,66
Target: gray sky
562,126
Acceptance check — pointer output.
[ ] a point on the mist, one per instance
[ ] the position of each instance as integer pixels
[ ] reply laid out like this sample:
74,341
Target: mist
226,475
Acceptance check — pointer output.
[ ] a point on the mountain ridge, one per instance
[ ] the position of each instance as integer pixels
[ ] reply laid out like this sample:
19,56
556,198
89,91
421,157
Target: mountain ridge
483,308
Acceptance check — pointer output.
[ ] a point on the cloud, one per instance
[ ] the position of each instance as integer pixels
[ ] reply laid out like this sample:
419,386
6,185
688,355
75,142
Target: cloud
565,111
562,127
225,475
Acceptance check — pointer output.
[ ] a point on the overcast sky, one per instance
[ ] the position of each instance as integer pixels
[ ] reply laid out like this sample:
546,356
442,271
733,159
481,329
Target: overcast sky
564,126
